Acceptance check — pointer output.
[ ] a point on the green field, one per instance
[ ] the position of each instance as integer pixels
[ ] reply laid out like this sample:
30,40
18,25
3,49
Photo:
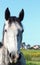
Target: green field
32,56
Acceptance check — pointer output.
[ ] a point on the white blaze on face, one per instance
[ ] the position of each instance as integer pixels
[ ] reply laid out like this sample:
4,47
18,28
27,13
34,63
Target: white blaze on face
10,39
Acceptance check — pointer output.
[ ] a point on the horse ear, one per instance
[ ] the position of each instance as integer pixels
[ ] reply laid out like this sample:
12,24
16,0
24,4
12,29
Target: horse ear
21,15
7,14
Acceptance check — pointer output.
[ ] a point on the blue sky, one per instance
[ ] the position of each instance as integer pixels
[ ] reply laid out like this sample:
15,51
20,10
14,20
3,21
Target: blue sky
31,20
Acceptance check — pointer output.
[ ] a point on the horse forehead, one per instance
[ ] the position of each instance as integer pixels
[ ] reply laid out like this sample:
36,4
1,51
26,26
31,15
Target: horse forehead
7,25
14,25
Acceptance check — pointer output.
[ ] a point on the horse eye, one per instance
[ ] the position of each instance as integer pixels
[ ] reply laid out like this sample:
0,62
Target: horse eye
5,30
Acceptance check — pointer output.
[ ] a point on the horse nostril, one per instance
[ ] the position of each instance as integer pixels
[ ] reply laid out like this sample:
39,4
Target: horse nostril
10,54
13,56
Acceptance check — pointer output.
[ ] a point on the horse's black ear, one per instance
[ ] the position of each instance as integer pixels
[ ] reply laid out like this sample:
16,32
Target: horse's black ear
21,15
7,14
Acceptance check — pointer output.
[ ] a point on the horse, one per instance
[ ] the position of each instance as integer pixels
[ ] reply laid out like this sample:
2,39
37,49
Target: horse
12,39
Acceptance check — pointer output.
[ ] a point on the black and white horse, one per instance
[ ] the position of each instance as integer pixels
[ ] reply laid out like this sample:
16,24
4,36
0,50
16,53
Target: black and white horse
12,39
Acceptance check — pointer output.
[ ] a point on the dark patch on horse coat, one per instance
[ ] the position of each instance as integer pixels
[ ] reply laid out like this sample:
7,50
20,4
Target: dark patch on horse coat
1,44
13,19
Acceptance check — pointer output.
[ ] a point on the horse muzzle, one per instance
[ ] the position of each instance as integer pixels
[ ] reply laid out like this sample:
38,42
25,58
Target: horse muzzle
13,58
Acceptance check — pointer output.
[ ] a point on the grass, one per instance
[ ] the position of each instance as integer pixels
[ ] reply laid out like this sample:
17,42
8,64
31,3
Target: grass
32,63
32,56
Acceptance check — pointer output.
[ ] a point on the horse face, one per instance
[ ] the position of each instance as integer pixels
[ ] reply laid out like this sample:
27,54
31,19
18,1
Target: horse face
13,30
